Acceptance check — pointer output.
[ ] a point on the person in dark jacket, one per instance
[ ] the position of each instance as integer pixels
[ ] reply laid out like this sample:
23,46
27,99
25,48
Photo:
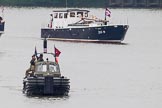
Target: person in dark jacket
32,67
40,58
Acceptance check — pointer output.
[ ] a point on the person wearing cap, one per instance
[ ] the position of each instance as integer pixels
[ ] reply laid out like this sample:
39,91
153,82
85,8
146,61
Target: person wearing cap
40,58
32,66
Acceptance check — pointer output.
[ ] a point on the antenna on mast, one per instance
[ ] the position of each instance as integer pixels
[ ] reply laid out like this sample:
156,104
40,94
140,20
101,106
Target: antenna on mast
2,12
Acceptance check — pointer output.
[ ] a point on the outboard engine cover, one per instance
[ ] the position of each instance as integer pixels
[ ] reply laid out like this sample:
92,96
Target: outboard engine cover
48,87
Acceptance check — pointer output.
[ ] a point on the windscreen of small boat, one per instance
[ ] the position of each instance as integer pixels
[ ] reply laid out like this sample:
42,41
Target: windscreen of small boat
45,68
41,68
52,68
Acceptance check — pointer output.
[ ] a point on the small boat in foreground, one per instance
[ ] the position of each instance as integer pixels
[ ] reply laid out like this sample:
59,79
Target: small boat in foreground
77,25
46,79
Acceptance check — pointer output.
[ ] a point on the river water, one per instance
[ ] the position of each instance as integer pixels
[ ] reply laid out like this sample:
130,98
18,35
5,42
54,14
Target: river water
101,75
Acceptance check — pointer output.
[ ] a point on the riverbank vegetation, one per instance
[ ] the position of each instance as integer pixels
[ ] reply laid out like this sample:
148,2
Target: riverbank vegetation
54,3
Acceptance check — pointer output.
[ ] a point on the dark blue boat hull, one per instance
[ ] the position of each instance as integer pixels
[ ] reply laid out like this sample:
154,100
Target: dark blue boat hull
114,33
2,24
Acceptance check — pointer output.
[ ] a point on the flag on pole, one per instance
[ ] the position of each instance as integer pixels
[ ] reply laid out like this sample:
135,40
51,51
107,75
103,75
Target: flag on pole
107,12
35,52
57,52
56,59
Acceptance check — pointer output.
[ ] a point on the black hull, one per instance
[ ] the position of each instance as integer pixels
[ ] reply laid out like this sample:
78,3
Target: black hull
2,24
48,86
114,33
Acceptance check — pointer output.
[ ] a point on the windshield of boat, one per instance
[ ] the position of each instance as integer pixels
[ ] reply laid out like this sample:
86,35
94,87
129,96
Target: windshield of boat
44,67
41,68
52,68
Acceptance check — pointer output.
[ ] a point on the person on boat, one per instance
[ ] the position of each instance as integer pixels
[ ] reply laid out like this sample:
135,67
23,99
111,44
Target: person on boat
31,68
40,58
51,20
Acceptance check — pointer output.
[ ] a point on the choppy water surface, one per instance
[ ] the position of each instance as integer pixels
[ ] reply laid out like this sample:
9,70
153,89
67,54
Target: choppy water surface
101,75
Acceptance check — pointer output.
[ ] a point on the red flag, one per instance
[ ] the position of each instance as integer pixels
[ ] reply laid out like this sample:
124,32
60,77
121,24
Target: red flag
56,59
57,52
107,12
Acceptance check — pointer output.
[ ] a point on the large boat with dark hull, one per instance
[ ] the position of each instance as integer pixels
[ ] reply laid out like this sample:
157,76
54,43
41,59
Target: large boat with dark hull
78,25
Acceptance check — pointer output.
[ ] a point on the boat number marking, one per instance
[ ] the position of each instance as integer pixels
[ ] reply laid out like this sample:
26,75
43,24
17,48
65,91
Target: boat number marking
101,32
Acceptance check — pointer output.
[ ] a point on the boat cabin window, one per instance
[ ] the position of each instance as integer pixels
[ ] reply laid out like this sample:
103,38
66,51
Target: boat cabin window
72,14
86,14
79,14
55,15
42,68
60,15
65,15
52,68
